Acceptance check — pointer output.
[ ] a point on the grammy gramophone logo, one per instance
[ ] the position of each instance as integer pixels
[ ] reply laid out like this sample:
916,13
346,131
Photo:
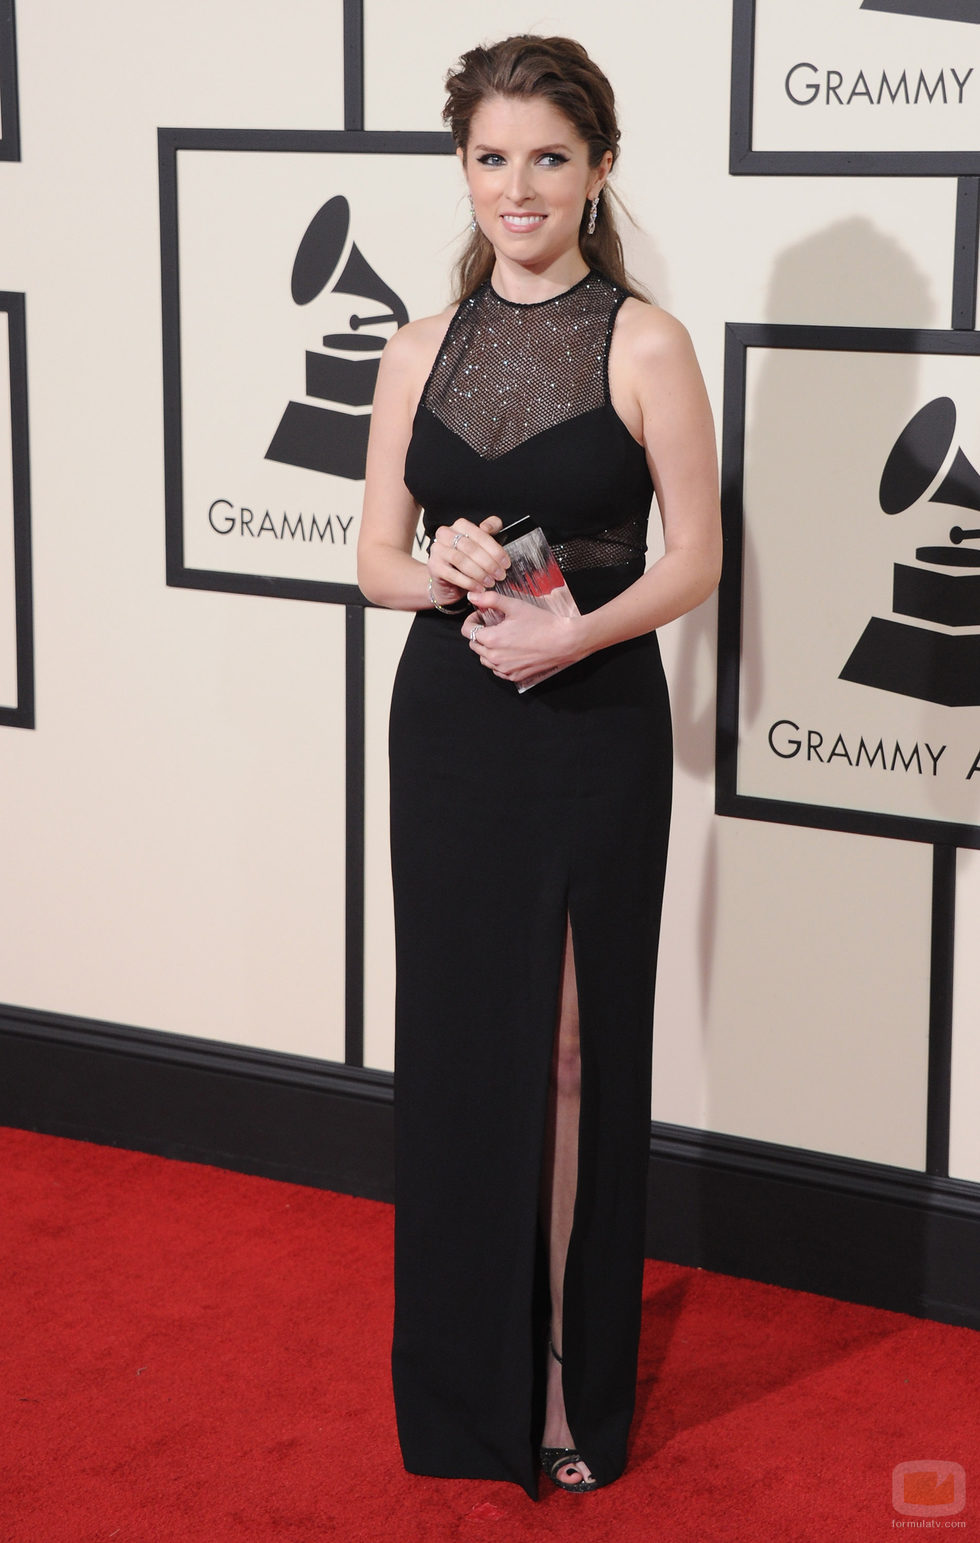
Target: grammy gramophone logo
328,431
936,10
941,590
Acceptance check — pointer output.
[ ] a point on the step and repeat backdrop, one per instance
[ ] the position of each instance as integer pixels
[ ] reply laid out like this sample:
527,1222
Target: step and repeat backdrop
211,228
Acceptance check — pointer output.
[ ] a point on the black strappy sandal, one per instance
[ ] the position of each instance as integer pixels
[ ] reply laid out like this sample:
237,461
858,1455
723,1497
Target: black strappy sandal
554,1459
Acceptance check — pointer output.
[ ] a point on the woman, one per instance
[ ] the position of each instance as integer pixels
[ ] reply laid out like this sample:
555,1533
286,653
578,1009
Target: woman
529,830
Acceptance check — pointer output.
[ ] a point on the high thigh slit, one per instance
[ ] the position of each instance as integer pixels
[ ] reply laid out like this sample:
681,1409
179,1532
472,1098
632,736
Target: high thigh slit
513,818
558,1189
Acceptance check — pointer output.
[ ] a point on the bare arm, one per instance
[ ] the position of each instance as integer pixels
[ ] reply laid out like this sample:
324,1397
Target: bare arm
665,400
463,555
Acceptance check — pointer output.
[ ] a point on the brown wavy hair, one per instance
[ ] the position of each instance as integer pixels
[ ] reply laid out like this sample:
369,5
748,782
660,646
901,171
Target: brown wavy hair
561,71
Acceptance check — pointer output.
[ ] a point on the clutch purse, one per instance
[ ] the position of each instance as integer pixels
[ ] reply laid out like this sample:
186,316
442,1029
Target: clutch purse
533,576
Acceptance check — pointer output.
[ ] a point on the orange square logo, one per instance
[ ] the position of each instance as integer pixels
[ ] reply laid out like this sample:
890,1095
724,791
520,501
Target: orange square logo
928,1487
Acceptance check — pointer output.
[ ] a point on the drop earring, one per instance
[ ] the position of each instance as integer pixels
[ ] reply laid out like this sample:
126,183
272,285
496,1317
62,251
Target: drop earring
472,212
592,214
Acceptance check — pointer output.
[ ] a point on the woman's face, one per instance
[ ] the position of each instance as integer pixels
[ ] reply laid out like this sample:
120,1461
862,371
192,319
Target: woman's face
529,178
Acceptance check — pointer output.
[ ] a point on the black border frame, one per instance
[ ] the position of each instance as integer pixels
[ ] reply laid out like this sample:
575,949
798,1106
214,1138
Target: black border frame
744,161
353,64
10,119
966,254
169,142
21,714
739,338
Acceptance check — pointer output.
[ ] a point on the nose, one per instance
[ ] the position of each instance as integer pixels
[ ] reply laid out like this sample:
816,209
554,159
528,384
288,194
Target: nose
519,186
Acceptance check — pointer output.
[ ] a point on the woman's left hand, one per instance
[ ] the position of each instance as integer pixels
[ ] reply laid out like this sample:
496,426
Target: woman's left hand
528,640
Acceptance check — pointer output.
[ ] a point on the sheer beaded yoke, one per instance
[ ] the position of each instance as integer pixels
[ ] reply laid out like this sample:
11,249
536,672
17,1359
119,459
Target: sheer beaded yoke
508,371
516,419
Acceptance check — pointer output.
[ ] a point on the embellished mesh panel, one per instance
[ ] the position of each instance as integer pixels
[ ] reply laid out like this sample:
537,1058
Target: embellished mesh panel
604,549
508,371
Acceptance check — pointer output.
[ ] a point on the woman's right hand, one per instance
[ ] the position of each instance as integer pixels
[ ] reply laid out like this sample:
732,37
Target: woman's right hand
465,556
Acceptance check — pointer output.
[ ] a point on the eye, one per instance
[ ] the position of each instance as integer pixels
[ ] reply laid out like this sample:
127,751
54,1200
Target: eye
554,158
490,159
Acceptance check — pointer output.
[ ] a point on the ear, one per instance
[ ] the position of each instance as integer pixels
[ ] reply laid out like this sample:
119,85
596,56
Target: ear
462,156
600,173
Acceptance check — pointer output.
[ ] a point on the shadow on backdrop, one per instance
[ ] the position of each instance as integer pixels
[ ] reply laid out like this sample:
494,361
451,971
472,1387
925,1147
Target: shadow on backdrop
850,274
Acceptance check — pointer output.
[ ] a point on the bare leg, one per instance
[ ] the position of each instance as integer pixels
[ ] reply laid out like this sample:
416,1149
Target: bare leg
559,1182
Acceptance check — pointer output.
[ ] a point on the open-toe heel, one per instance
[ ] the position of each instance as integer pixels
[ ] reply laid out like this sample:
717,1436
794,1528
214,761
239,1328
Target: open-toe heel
554,1459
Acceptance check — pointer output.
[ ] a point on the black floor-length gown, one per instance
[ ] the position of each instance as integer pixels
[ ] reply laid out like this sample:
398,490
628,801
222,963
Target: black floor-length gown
510,814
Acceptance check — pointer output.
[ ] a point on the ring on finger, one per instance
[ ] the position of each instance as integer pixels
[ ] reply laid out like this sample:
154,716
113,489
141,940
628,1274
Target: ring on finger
459,536
475,629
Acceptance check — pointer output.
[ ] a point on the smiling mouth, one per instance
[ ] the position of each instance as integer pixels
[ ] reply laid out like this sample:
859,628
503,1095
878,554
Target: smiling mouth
523,221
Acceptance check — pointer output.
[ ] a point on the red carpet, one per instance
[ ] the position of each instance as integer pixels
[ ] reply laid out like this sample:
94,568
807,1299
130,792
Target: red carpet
195,1356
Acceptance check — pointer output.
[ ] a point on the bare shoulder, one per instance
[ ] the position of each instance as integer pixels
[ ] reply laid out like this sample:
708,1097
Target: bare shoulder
410,353
647,335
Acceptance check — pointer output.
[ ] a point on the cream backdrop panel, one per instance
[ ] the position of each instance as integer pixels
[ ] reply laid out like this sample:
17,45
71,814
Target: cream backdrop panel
745,903
813,1021
173,831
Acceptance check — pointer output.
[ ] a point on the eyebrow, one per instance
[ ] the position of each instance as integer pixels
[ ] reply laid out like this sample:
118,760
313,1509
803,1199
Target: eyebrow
539,149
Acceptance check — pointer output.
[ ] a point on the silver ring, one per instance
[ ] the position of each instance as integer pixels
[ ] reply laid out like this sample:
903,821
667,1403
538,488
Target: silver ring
459,536
475,629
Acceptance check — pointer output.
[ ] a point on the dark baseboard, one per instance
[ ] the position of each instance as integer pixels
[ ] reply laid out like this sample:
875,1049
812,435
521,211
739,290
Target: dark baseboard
284,1116
859,1231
